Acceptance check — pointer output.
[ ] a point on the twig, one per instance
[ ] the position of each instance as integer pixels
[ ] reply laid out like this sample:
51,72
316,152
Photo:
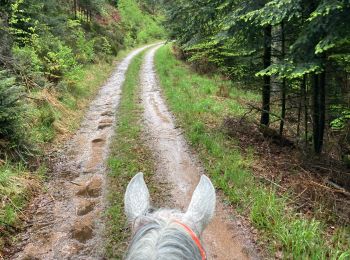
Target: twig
301,193
336,186
52,197
75,183
330,189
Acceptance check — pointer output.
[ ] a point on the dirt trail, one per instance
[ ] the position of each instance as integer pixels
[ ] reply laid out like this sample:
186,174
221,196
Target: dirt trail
223,238
67,220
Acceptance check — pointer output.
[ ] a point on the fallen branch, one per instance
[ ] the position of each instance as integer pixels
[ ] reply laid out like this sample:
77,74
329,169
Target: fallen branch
330,189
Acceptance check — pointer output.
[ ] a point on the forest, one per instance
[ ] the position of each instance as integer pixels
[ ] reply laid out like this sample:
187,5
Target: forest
295,52
260,90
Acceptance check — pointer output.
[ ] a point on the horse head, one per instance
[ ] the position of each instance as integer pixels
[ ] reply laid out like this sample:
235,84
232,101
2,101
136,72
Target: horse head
167,233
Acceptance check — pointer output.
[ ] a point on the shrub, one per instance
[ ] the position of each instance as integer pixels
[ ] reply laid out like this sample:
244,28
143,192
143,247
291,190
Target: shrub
82,47
59,62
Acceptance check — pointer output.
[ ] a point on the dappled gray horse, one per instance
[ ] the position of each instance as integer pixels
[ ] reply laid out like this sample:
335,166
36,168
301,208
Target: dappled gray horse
167,234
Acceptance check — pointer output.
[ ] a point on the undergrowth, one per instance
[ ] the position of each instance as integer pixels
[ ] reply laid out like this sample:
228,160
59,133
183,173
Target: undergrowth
17,186
129,155
197,104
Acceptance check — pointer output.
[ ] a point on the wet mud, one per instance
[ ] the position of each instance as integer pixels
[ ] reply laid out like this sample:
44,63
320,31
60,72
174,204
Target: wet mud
67,220
224,238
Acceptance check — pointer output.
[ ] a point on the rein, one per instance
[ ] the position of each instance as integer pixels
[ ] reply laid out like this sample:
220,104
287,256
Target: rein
194,238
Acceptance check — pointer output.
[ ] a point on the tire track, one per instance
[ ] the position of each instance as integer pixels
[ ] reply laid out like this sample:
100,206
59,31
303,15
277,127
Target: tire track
176,164
67,222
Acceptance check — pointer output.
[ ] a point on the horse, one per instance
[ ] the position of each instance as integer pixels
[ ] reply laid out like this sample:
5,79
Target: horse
167,234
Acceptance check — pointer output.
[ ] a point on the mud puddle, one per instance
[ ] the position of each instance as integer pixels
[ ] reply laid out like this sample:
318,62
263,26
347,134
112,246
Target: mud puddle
224,238
67,220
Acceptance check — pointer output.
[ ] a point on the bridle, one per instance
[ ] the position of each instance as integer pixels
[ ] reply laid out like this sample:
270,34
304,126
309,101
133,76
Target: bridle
194,238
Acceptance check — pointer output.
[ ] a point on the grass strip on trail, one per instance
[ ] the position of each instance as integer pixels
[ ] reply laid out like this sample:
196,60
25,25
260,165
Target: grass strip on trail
128,155
200,112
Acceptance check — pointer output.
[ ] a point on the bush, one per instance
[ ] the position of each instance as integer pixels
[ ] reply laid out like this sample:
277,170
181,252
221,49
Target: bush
82,47
59,62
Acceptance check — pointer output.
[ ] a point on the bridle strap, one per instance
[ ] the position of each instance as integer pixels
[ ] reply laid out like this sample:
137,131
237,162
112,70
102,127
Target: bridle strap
194,238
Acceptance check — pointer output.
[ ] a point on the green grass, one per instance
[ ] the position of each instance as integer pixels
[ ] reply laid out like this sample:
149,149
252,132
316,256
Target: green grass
193,99
129,155
17,186
60,112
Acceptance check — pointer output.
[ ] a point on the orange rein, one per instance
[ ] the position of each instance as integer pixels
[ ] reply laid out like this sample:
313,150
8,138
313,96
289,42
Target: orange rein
194,238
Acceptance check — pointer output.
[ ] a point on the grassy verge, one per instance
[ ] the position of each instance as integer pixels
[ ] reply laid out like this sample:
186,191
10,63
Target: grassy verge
17,186
195,101
57,113
54,115
129,155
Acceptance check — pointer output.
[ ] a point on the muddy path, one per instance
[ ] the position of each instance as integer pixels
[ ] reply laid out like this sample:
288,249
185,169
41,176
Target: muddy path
67,220
224,238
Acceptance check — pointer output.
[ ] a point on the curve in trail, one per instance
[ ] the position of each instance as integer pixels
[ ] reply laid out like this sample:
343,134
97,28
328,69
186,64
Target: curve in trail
176,164
67,221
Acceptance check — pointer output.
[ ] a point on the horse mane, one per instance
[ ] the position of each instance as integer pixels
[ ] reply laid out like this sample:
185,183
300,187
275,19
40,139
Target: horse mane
158,238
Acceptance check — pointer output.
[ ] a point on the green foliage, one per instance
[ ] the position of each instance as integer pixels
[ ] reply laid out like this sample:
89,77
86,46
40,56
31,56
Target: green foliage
26,59
84,51
11,111
342,120
140,27
284,39
106,47
59,62
13,186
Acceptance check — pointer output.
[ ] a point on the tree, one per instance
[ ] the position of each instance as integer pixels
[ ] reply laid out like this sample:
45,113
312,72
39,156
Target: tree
311,49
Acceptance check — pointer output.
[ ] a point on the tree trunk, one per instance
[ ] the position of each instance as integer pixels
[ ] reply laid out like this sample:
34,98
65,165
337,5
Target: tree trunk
283,106
283,88
306,114
319,111
265,114
75,9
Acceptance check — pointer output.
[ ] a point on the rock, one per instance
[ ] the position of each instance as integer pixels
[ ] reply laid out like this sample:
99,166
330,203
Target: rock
83,229
92,188
85,207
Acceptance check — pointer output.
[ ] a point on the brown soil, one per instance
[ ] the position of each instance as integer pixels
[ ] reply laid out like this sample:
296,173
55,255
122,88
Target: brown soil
284,166
225,238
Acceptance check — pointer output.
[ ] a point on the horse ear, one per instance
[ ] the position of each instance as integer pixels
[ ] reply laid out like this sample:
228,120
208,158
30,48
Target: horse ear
202,205
136,199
